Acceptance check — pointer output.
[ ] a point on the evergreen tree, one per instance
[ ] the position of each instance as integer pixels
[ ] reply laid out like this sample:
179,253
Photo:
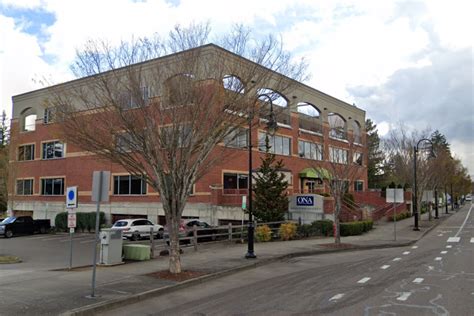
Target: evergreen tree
3,162
375,156
271,201
439,142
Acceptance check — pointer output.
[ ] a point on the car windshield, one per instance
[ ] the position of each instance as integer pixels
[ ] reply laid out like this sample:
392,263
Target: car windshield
8,220
120,224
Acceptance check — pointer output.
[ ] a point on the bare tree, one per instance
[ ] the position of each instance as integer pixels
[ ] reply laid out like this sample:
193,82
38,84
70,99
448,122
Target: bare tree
4,162
399,148
163,119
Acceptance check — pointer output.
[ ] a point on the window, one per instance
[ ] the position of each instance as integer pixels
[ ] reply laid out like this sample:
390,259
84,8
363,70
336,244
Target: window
357,158
53,150
338,155
237,138
24,187
26,152
235,181
135,99
279,145
124,142
337,126
176,136
356,132
309,117
358,185
48,116
52,186
129,185
310,150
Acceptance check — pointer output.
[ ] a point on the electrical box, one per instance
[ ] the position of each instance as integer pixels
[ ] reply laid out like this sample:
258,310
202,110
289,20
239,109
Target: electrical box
110,246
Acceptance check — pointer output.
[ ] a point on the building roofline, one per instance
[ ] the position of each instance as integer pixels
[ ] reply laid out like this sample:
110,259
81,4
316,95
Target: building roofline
210,45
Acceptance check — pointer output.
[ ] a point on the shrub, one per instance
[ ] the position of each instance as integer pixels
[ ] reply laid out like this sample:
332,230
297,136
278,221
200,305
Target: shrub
263,233
84,220
287,231
323,227
355,228
398,217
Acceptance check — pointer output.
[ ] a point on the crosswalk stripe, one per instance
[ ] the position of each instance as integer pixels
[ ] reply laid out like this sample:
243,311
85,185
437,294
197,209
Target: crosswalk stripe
363,280
472,240
454,239
404,296
418,280
336,297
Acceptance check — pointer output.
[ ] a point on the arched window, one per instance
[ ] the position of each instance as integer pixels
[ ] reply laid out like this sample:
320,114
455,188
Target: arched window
356,132
337,126
280,105
233,83
309,117
28,120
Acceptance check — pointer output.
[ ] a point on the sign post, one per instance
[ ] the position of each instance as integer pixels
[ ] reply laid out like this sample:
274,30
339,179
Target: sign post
100,193
71,205
394,196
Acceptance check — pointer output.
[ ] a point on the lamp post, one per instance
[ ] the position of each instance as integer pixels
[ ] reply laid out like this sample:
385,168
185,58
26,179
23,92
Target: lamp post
415,201
272,126
446,199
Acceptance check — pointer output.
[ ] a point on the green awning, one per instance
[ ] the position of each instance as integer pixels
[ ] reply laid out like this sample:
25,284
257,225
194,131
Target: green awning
315,173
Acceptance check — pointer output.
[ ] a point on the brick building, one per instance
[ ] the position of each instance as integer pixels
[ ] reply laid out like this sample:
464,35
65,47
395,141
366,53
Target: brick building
313,128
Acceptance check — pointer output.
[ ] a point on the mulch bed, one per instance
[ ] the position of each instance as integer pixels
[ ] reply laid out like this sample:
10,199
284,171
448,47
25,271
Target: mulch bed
338,246
179,277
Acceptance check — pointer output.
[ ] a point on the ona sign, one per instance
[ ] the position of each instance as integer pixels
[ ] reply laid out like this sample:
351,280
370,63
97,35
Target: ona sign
305,200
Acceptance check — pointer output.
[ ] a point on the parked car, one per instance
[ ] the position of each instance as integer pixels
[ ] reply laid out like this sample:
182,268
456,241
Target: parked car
468,197
23,225
135,229
203,229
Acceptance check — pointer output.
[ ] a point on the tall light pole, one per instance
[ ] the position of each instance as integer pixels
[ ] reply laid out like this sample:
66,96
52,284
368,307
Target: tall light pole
272,126
415,201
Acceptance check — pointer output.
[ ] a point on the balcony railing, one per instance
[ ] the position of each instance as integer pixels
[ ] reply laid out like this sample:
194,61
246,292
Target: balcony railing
309,123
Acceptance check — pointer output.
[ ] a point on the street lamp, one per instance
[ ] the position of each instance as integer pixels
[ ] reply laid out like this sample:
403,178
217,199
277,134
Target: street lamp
272,126
431,155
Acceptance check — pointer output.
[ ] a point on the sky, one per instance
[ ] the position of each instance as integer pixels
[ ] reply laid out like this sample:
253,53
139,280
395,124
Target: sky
408,62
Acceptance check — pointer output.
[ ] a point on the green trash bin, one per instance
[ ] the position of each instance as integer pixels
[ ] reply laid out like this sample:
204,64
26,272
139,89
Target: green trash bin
136,252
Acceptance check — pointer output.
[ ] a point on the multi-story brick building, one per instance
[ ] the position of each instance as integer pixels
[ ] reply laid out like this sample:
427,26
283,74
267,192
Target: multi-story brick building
313,129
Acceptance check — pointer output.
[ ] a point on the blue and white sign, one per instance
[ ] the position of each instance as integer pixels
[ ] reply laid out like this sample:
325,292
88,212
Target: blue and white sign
305,200
71,197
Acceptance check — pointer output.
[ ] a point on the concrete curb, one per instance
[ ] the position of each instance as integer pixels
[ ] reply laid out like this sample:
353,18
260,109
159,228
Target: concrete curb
114,303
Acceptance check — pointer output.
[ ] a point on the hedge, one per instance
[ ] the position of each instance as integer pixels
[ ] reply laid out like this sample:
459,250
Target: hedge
399,216
316,228
84,221
355,228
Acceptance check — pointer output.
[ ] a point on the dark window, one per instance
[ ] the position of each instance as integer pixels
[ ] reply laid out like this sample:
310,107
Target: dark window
26,152
358,185
129,185
48,116
24,187
358,158
53,150
235,181
52,186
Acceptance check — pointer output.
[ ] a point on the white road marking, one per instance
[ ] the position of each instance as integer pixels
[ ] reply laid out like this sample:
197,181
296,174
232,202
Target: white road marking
438,258
414,247
363,280
336,297
465,220
86,241
440,235
406,253
454,239
472,240
397,259
449,246
443,252
430,268
385,267
418,280
404,296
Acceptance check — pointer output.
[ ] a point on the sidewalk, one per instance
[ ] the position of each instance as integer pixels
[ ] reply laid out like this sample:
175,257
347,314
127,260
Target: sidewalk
57,292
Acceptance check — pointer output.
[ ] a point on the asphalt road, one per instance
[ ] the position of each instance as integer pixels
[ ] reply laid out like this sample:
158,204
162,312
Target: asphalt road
433,277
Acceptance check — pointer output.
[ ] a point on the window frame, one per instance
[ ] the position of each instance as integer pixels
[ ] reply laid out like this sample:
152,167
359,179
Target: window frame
356,185
332,157
285,142
54,142
116,189
32,152
315,150
237,178
61,189
32,180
